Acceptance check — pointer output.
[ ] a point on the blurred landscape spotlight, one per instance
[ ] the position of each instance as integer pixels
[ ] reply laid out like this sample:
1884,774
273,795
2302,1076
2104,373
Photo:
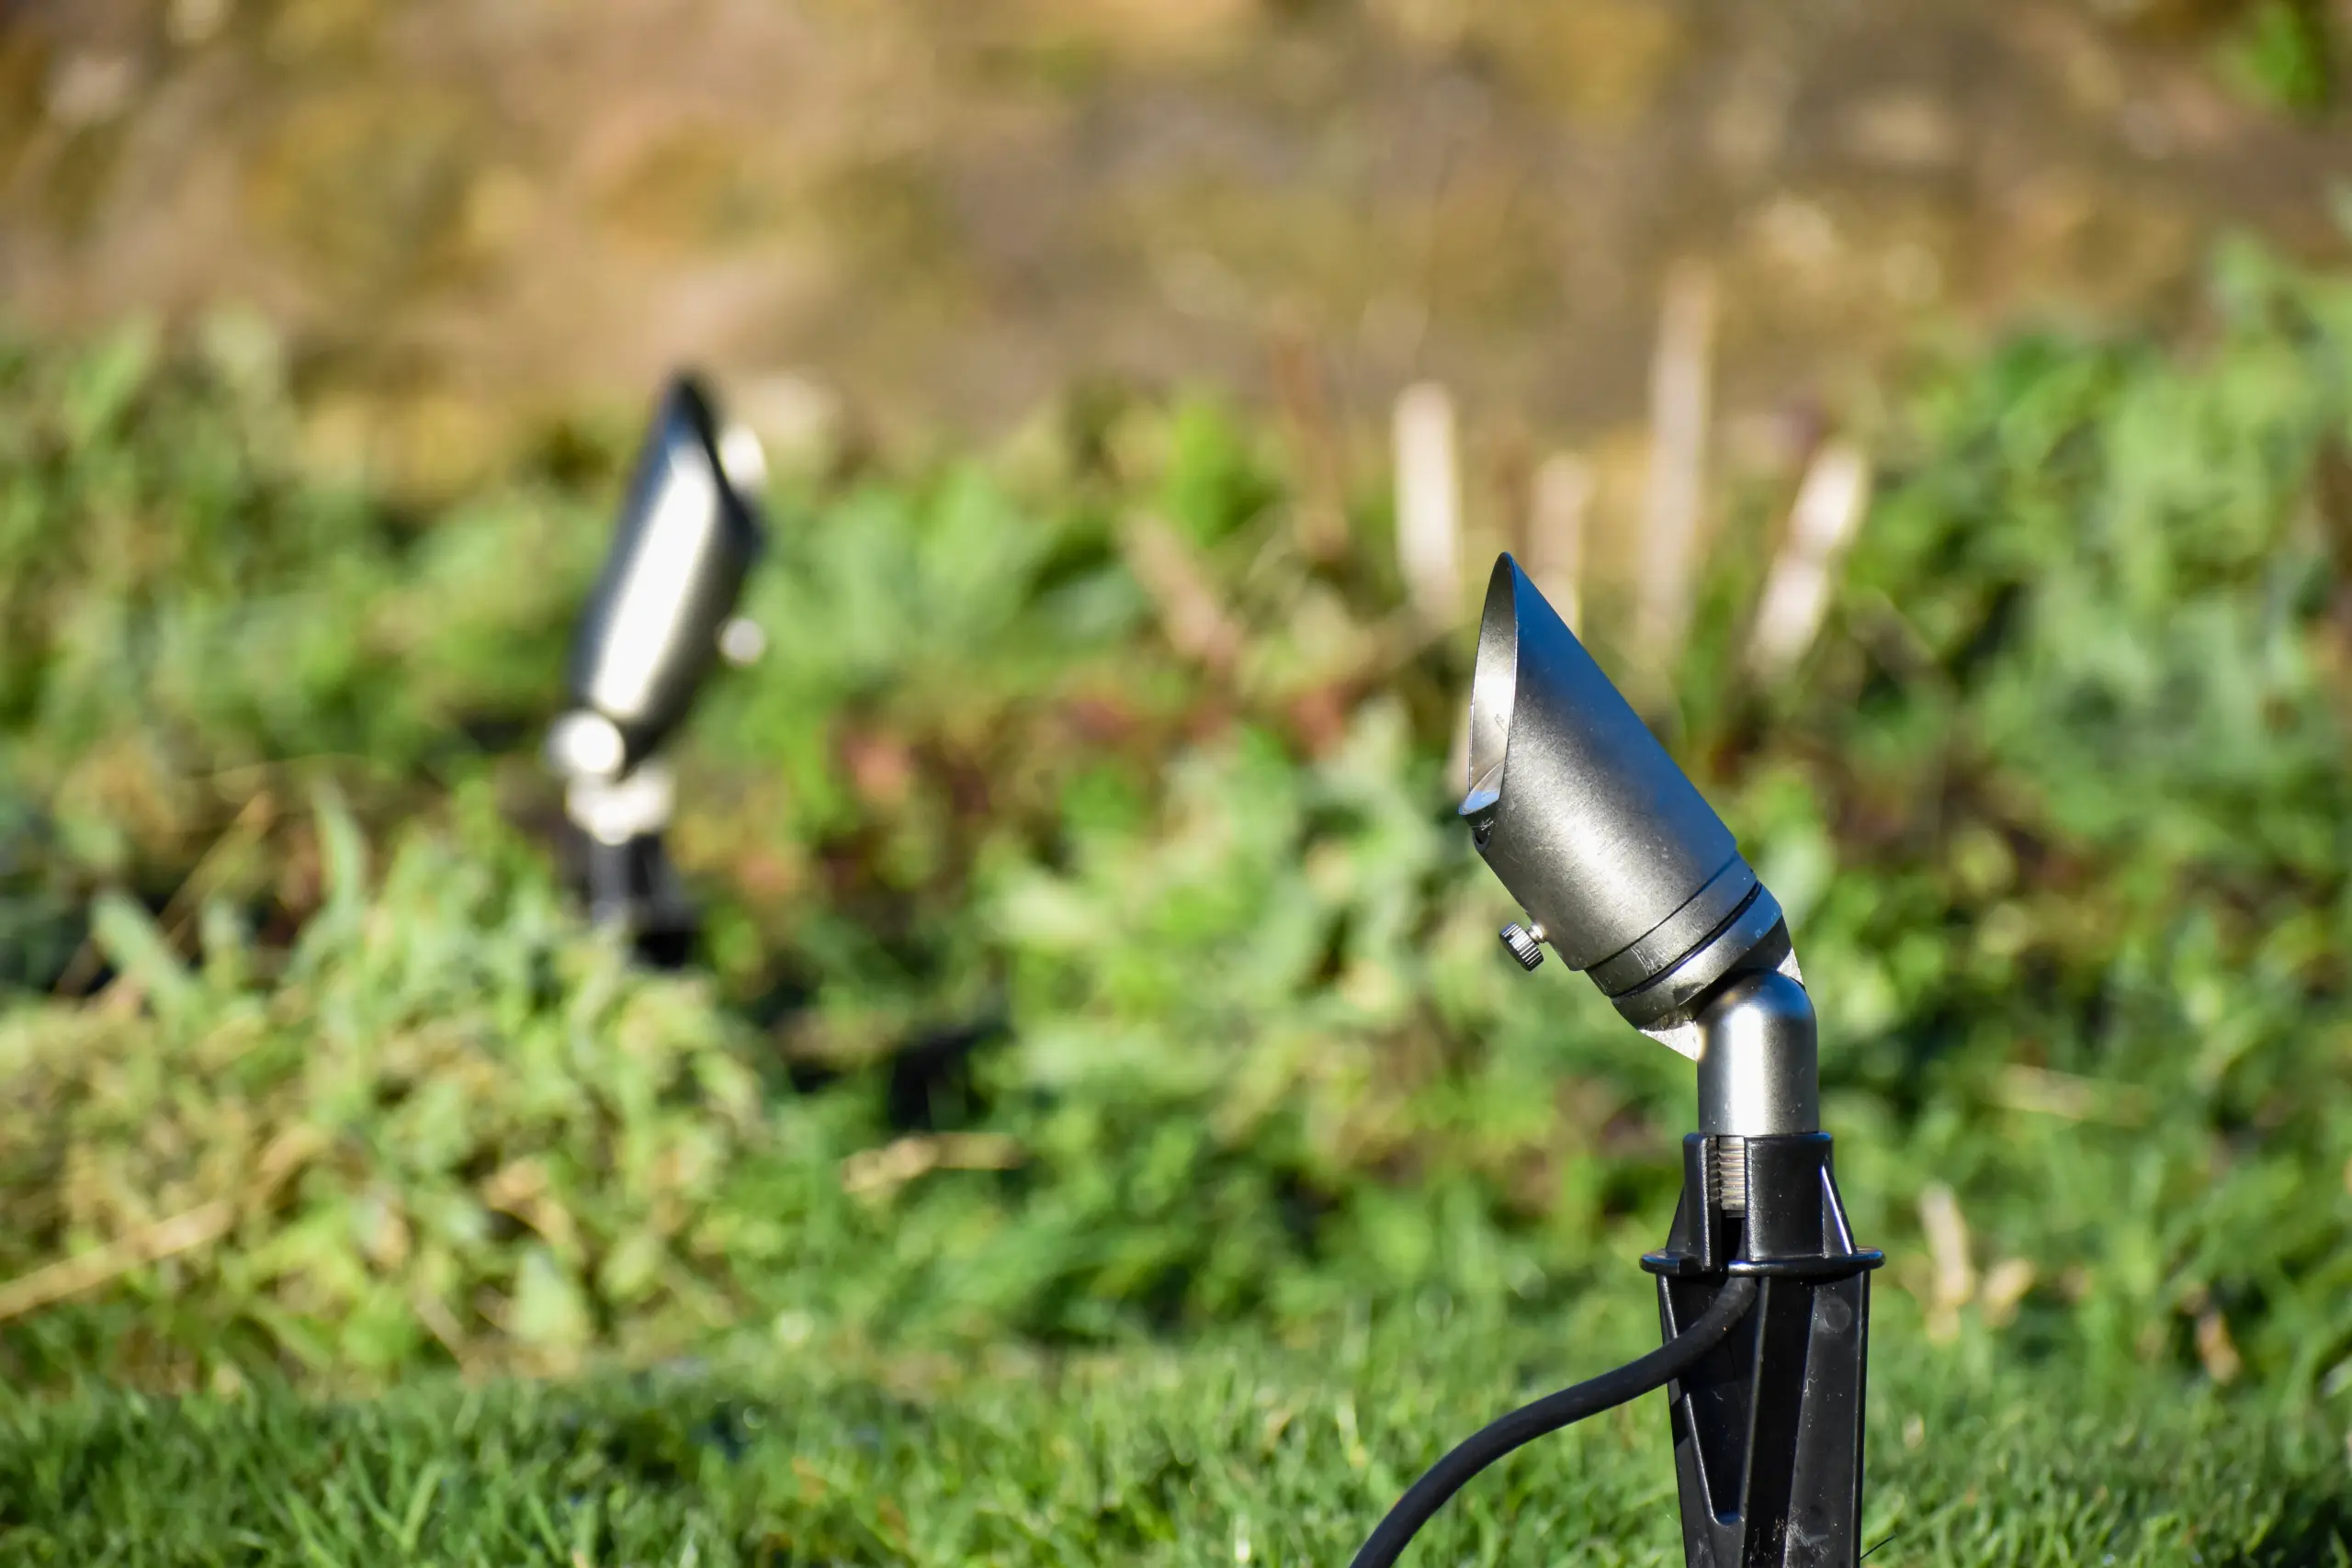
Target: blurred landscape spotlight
662,610
1627,874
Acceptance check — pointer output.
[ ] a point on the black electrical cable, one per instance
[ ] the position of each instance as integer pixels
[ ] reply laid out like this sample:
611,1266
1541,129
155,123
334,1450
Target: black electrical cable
1549,1413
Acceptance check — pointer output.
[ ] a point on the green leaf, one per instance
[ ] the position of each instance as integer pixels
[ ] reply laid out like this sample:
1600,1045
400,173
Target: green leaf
136,946
547,1310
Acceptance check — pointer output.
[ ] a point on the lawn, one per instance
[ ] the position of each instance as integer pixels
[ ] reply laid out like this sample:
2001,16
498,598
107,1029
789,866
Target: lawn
1212,1453
1098,1122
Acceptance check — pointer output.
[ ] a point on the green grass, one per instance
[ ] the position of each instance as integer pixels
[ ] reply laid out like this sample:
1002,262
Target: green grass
1217,1453
1068,993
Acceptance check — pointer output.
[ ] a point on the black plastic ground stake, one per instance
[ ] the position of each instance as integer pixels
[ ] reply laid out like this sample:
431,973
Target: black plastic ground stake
1767,1428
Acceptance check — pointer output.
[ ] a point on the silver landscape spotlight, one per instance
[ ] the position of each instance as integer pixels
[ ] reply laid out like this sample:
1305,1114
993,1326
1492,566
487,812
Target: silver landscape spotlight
661,611
1628,874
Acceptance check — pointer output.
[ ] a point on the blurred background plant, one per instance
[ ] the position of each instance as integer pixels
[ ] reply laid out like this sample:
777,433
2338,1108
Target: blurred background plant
1092,951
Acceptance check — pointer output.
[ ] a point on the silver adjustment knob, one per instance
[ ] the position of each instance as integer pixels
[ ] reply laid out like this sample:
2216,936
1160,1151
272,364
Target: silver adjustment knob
1526,944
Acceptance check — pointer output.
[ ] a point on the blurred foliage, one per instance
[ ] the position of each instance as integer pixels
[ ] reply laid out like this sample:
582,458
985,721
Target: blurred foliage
1091,944
2284,52
187,610
442,1116
2285,55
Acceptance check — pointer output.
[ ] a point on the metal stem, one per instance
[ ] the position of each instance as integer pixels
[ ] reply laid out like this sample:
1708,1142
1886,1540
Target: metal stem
1758,1060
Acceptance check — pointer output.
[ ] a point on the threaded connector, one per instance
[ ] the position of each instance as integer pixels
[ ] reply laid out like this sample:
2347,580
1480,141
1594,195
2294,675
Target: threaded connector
1526,945
1731,1173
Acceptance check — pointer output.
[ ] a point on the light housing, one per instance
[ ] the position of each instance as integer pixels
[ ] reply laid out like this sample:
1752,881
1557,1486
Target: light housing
688,534
1622,867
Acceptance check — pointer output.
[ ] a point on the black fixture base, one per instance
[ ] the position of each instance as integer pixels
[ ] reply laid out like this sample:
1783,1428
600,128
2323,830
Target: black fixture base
1767,1428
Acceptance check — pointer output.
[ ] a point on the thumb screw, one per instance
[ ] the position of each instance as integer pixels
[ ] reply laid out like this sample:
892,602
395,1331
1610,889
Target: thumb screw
1525,944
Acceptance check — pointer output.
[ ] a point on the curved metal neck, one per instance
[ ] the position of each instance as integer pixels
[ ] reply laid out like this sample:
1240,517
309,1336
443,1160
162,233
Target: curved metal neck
616,811
1758,1060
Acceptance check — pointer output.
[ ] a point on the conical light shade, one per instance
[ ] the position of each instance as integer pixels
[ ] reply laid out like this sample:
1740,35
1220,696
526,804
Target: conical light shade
1579,811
